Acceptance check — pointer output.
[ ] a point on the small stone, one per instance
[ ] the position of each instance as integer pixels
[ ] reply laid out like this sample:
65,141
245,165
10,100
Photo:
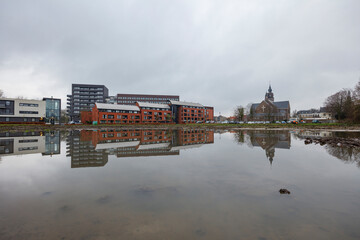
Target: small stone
284,191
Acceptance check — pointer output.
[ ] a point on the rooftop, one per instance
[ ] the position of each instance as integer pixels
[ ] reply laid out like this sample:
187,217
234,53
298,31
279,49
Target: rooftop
191,104
153,105
117,107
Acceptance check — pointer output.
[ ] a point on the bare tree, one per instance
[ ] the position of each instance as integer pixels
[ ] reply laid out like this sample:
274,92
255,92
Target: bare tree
1,93
356,92
239,113
356,103
340,104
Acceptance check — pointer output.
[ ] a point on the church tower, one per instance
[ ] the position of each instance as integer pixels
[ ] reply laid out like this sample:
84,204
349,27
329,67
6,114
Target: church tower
269,95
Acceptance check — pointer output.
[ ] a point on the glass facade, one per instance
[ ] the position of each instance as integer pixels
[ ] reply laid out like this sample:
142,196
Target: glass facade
53,110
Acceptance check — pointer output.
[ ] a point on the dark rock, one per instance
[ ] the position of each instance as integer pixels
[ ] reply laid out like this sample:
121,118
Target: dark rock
284,191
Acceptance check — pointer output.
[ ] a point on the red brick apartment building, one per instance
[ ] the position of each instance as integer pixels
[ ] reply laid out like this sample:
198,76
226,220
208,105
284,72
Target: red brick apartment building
154,113
131,99
209,113
103,113
143,112
187,112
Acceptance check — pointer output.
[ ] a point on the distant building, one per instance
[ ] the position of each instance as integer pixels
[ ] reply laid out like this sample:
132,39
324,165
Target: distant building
53,110
83,97
144,112
321,114
154,113
131,99
111,99
103,113
209,113
269,110
14,110
187,112
220,118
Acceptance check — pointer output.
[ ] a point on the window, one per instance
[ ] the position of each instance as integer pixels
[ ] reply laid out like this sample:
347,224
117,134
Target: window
28,104
28,141
29,112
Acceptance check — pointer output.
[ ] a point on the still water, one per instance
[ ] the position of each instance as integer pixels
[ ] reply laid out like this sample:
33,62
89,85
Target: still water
183,184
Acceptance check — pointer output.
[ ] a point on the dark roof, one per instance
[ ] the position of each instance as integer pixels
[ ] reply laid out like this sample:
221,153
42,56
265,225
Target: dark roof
282,104
324,109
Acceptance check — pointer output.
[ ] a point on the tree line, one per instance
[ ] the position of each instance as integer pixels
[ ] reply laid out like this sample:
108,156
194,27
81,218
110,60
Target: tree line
345,104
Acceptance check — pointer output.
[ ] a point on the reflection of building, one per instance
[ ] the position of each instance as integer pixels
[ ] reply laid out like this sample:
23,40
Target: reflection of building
16,143
269,140
269,110
306,134
192,137
91,148
83,153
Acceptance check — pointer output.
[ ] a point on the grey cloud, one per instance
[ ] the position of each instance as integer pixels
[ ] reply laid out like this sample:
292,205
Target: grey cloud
219,53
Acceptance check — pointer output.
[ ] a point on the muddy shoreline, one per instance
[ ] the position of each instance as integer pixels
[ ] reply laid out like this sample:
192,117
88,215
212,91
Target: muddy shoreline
233,127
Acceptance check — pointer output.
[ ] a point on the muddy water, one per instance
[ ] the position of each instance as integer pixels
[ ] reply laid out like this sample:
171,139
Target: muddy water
161,184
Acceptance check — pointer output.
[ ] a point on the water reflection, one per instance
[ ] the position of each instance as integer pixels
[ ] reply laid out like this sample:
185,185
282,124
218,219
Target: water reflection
267,140
348,154
19,143
155,187
92,148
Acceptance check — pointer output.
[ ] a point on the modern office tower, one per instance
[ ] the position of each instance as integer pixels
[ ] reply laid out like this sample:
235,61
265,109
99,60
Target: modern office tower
130,99
83,97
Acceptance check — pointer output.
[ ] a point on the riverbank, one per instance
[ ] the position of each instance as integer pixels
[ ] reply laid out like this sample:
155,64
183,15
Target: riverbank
306,126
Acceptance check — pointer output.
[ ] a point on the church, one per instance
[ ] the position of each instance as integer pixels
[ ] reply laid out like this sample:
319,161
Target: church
269,110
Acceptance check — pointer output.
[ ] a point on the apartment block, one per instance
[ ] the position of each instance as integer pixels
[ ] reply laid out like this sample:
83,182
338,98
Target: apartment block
154,113
131,99
103,113
83,98
187,112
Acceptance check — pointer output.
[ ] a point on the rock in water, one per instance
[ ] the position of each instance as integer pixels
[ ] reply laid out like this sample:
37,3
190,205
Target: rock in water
284,191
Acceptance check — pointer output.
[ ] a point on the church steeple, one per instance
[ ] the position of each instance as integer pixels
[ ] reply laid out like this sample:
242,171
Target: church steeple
269,95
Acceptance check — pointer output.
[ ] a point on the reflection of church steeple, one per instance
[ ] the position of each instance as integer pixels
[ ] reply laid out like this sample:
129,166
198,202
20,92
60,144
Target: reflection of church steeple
269,95
270,154
269,140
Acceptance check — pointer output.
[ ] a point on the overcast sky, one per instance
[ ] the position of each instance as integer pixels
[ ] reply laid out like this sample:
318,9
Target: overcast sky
218,53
